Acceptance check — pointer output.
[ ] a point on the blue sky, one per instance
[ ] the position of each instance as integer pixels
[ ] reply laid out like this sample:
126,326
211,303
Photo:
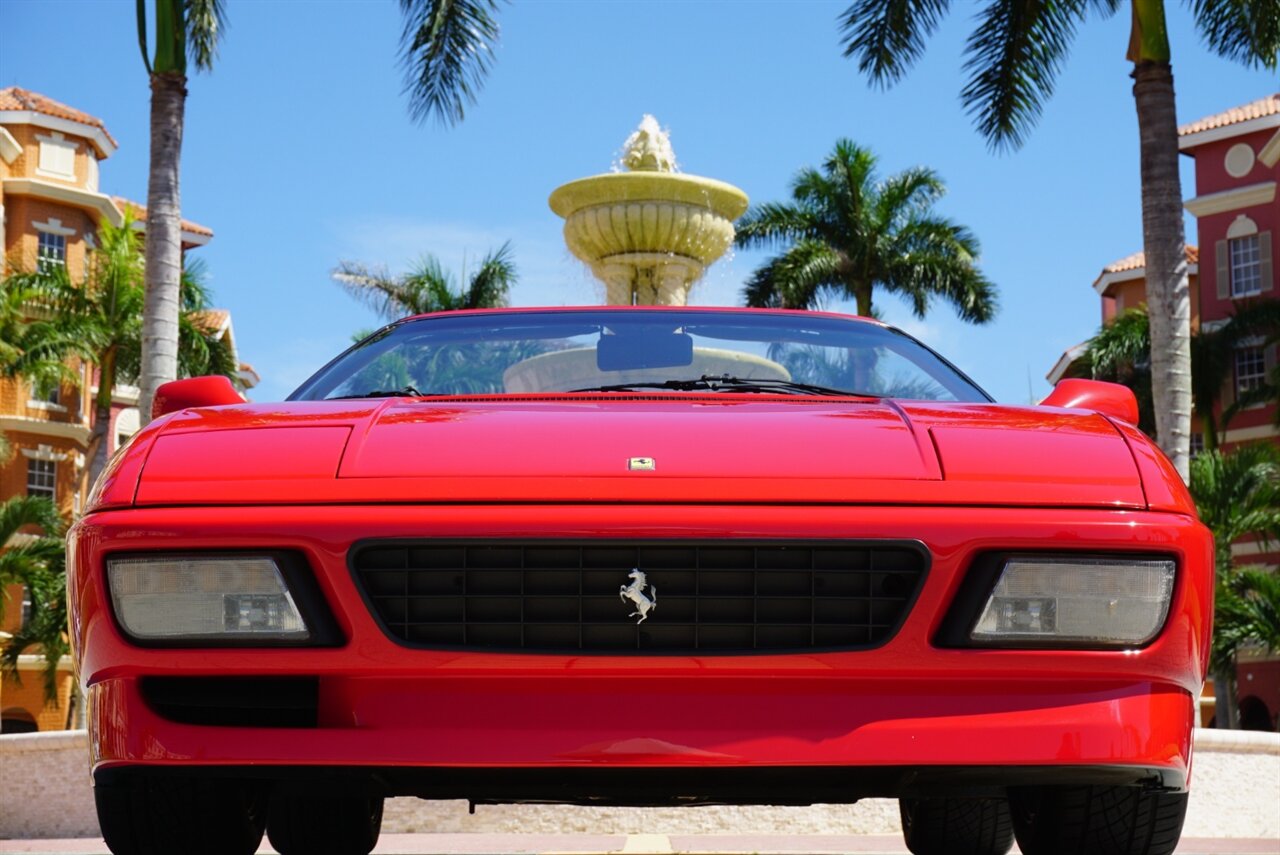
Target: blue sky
299,151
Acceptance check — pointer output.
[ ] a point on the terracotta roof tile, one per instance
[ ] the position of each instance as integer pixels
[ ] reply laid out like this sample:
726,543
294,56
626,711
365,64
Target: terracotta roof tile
1139,260
1268,106
140,214
211,320
15,99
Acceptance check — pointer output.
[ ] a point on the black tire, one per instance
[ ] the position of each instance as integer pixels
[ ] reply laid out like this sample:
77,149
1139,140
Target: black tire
319,824
949,826
161,815
1097,820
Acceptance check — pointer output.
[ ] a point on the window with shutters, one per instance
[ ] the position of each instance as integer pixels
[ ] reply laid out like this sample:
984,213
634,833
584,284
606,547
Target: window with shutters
57,157
1243,263
1245,260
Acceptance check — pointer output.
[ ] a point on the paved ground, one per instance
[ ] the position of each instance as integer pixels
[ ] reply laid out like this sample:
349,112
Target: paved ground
641,844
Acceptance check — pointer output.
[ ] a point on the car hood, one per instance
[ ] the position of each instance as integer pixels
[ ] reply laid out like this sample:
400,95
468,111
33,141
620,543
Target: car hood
714,448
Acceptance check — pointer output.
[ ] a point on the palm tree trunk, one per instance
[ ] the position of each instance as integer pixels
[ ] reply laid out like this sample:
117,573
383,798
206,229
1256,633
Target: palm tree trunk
102,416
862,293
1226,709
1168,291
164,239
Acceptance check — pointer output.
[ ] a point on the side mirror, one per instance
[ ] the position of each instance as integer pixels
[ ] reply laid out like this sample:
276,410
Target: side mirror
1110,399
211,391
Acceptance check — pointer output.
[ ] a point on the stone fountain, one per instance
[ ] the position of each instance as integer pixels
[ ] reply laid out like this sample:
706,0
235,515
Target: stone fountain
648,232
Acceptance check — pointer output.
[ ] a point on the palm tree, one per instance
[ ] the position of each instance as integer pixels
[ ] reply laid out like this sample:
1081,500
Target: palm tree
848,232
100,321
1236,494
446,49
183,28
38,565
1013,57
428,287
1121,352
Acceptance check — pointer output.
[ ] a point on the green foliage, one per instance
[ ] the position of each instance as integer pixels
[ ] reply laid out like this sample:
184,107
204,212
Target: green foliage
1016,49
1121,352
1238,493
446,50
846,233
184,29
1246,612
428,287
38,565
46,318
1244,31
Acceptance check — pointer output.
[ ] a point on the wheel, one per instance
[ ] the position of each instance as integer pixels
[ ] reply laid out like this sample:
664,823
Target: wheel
1097,820
949,826
152,815
318,824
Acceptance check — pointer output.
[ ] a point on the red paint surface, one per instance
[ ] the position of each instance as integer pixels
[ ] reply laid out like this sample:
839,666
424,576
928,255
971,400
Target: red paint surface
905,703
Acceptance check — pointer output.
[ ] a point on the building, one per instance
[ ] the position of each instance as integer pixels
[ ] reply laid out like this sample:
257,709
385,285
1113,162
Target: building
1237,166
50,208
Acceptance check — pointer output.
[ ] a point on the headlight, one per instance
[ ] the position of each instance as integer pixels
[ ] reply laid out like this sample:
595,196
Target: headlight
1059,601
204,598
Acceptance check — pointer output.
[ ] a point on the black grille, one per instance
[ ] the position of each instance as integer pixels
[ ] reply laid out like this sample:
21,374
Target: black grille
710,597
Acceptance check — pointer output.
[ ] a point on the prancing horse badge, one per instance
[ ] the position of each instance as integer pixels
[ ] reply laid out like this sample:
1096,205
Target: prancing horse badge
635,593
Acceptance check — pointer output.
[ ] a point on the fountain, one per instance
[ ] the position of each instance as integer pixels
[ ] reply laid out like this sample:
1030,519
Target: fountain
649,232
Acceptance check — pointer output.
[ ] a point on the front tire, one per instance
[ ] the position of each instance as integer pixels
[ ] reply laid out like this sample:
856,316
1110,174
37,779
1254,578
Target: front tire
1097,820
317,824
951,826
151,815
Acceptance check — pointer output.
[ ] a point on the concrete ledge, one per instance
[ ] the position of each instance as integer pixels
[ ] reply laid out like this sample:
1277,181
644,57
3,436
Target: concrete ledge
1237,741
1235,788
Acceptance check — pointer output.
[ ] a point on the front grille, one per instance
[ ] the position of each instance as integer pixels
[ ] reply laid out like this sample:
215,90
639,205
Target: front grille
566,597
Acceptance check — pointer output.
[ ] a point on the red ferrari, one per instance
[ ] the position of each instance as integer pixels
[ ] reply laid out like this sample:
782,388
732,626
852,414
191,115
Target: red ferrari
640,556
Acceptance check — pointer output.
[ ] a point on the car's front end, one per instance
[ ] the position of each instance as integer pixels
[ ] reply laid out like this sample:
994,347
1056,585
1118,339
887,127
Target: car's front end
639,597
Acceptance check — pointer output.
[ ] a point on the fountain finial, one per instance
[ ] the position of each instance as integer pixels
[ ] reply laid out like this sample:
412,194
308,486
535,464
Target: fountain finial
648,149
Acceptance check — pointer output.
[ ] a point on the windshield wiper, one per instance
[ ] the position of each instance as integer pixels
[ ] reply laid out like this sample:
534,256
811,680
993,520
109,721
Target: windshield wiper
728,383
406,392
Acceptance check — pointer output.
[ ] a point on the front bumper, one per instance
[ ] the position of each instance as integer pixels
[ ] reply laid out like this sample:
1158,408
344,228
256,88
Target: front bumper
907,711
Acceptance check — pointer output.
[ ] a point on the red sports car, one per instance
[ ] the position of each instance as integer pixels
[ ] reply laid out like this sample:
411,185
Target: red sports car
640,556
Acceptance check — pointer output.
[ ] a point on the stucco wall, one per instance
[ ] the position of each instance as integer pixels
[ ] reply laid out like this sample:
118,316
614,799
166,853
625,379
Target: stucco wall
1236,788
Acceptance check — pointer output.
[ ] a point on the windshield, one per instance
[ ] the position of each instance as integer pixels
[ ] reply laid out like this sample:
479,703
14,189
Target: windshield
637,349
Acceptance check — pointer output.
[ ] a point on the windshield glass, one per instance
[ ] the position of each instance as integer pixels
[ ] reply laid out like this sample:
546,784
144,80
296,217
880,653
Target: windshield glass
636,349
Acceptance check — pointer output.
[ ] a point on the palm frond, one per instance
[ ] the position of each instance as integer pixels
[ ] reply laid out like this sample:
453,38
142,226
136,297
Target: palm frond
45,628
206,22
1013,58
1237,493
773,223
1124,341
20,511
374,287
492,282
193,288
796,278
446,50
930,257
1245,32
887,36
428,287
